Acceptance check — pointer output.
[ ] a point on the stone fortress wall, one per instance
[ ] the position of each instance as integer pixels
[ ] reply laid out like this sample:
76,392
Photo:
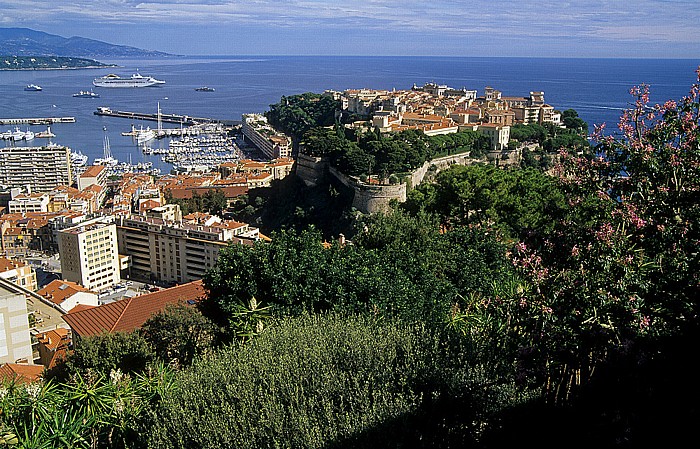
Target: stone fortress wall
372,198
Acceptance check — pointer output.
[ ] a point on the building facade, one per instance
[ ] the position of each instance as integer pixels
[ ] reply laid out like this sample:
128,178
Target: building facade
89,255
40,168
15,341
163,251
259,132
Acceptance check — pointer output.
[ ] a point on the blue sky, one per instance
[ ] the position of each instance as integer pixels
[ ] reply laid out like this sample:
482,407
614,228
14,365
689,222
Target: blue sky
585,28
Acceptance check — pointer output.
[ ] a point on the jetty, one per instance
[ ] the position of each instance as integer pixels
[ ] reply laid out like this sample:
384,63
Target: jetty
36,120
167,118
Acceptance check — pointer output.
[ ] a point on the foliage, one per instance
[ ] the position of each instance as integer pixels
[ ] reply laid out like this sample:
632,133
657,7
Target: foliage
625,263
101,354
329,381
373,153
290,204
87,412
552,138
397,266
518,203
571,120
296,114
212,202
178,334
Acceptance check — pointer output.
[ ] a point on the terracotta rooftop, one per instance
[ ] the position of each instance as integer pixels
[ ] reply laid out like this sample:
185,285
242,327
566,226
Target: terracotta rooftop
54,338
10,264
21,373
57,290
129,314
93,171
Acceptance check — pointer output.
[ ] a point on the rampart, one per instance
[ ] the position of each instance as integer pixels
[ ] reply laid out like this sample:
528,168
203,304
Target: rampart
372,198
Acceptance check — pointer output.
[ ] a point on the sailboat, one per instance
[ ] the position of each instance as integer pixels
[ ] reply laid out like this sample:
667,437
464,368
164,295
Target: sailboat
107,158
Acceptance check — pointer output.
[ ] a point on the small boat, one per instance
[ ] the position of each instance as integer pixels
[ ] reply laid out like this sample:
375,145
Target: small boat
18,134
86,94
32,88
45,134
204,89
28,135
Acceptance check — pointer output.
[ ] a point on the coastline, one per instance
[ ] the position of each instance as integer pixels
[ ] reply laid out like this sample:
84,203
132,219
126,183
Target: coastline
60,68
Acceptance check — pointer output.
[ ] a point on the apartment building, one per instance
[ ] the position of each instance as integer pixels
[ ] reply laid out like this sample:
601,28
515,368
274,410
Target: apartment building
15,341
94,176
164,251
89,255
18,272
259,132
40,168
28,202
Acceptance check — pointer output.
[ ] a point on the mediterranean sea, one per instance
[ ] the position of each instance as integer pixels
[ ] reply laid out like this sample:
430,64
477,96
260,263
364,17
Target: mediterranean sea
597,88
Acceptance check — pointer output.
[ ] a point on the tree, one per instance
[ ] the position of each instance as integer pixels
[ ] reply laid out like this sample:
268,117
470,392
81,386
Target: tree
179,333
127,352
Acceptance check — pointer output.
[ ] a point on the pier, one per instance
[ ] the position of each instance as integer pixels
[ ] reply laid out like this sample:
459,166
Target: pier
166,118
36,120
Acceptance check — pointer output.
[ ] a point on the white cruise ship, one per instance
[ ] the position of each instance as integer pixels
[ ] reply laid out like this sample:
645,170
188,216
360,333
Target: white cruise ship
136,80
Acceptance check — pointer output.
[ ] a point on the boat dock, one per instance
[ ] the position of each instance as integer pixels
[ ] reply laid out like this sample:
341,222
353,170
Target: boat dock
36,120
167,118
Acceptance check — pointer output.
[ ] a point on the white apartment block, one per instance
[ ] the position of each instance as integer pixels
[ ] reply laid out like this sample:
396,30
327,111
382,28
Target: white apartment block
15,340
28,202
164,251
40,168
259,132
89,255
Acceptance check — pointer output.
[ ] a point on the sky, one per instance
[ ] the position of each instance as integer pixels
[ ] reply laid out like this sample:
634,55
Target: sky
532,28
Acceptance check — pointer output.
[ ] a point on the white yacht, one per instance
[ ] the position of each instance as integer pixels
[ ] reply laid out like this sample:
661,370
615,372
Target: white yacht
145,135
136,80
17,134
78,159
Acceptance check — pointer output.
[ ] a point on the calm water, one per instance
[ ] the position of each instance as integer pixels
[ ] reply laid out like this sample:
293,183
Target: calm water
596,88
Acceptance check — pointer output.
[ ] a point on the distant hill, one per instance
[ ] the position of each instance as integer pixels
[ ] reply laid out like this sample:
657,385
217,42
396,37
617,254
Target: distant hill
28,42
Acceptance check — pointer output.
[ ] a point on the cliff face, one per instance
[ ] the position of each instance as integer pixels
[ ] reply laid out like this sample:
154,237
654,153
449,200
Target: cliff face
28,42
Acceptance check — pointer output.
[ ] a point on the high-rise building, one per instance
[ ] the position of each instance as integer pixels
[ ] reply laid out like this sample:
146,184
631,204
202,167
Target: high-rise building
39,168
89,254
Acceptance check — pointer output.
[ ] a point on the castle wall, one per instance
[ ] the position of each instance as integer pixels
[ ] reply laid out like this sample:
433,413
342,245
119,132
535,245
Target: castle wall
372,198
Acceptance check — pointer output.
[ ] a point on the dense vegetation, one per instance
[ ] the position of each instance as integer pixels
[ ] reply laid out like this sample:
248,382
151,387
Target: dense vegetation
371,153
552,138
296,114
494,308
212,202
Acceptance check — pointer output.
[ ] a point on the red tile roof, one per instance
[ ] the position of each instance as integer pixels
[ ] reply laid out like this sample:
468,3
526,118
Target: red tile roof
58,291
54,338
129,314
10,264
20,373
93,171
